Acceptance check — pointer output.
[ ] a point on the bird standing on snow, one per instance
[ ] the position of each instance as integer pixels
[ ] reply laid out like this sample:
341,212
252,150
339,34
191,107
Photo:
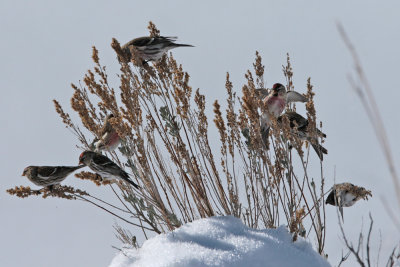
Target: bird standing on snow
275,102
104,167
150,48
109,138
48,176
345,195
296,120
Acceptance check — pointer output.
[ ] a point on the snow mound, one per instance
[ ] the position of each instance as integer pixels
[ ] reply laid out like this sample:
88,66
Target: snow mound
221,241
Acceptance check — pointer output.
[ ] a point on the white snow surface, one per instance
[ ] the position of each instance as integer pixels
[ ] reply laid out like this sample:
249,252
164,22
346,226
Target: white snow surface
221,241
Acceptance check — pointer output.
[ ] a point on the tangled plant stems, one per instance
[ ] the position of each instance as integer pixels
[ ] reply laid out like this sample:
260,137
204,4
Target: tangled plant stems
166,149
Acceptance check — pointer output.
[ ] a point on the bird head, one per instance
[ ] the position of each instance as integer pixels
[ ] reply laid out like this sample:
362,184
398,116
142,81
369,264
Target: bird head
278,89
85,157
27,171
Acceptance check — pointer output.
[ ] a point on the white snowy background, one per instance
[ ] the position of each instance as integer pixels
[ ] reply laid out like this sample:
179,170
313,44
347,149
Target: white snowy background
46,45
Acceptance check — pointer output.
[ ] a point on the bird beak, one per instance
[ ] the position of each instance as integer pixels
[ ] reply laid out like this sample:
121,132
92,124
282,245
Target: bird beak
23,174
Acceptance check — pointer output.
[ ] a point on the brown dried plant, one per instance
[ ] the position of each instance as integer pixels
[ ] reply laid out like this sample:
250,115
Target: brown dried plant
166,148
360,84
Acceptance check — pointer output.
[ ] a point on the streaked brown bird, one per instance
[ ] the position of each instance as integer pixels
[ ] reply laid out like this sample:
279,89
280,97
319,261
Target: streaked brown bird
345,195
299,126
150,48
104,167
47,176
109,138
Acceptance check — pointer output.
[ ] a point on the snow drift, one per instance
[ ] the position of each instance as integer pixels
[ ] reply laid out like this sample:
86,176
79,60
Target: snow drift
221,241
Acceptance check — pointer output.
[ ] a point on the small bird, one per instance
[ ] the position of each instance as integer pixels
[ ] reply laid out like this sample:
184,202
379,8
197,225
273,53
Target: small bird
151,48
277,98
345,195
275,101
296,120
47,176
104,167
109,138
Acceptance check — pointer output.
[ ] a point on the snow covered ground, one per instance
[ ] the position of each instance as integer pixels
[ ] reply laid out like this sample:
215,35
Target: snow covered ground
221,241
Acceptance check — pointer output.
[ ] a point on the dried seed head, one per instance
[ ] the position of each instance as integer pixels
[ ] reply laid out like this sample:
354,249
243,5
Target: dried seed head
154,32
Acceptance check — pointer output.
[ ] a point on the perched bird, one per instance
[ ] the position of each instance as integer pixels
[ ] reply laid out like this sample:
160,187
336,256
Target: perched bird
47,176
345,195
109,138
104,167
150,48
301,124
275,101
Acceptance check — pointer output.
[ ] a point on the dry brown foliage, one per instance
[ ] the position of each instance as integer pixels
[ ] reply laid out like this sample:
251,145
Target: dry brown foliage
166,148
360,84
60,191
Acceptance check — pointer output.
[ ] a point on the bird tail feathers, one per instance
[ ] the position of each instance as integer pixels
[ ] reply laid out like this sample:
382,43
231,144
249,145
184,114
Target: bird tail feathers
132,183
320,150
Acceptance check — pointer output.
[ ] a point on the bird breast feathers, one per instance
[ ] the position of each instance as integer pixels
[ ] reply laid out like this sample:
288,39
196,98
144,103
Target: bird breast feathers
276,105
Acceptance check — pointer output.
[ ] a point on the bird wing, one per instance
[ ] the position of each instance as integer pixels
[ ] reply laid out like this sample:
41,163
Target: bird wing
102,160
302,123
49,171
293,96
46,171
331,198
145,41
296,117
106,165
141,41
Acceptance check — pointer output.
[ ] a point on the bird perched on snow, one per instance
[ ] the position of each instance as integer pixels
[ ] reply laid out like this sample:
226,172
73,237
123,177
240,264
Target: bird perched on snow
301,124
104,167
47,176
109,138
275,101
150,48
345,195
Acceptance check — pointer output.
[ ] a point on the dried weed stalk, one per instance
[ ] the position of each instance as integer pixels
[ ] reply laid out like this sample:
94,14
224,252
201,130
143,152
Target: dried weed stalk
166,148
362,87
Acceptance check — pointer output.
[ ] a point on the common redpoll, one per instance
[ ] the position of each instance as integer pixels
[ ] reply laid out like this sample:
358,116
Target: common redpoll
109,138
48,175
275,101
345,195
151,48
301,124
104,167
